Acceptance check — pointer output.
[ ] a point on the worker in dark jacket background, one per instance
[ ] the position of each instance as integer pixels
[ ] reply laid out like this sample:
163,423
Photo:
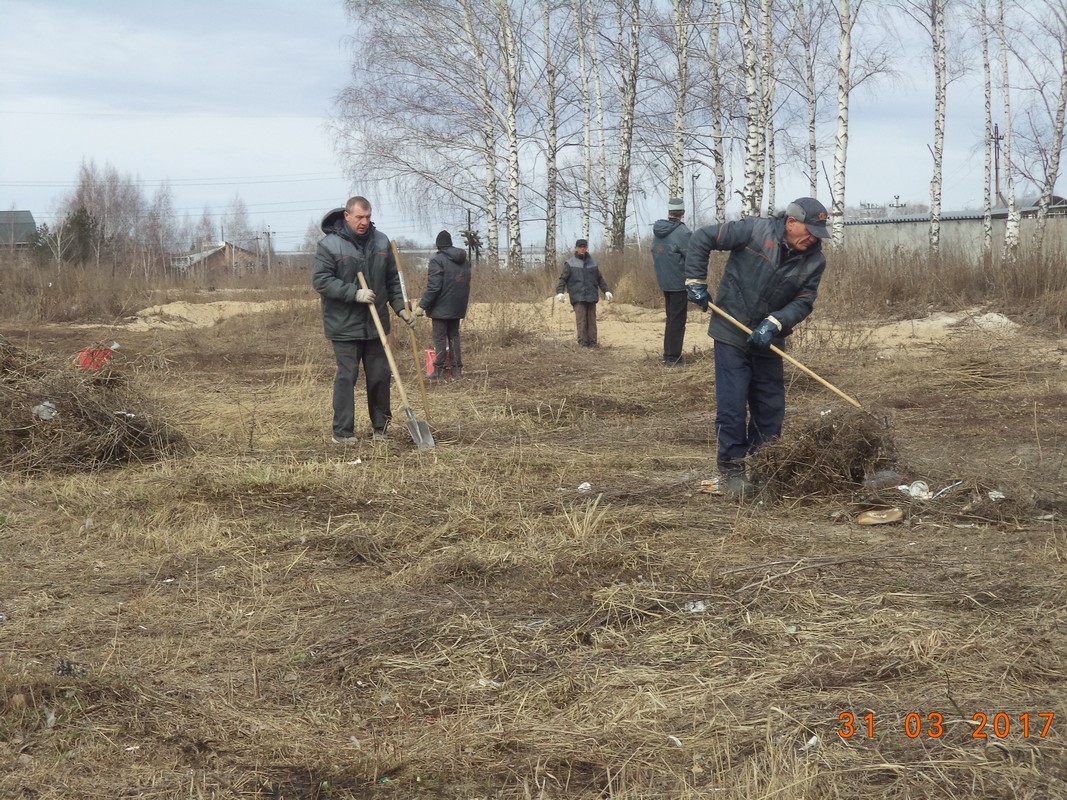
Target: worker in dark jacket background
582,279
670,239
448,289
769,284
351,245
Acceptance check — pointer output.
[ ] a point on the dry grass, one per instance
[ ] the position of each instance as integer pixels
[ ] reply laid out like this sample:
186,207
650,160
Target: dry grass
266,616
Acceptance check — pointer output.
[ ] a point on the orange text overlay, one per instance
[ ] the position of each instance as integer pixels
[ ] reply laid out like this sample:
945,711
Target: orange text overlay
931,725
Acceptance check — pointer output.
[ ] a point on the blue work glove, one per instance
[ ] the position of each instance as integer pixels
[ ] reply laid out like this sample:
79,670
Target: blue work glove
762,335
698,293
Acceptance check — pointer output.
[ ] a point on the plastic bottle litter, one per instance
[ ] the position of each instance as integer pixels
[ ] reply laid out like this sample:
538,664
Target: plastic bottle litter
918,490
45,410
882,479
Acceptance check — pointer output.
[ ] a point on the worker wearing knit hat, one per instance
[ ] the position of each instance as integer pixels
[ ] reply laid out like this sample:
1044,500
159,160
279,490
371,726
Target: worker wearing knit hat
448,287
670,239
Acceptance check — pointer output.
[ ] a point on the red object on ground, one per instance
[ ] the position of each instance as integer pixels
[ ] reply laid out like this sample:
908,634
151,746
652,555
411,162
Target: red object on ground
431,355
96,358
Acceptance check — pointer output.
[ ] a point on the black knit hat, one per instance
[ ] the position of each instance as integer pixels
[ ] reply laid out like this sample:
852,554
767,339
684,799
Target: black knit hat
582,243
444,239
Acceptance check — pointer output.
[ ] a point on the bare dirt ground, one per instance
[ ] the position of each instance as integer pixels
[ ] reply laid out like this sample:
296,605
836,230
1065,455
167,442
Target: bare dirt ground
545,605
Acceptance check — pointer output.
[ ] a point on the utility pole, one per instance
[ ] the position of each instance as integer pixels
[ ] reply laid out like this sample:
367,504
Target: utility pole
267,234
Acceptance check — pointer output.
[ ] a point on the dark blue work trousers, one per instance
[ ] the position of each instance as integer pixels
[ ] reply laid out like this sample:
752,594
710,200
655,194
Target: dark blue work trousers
349,355
749,402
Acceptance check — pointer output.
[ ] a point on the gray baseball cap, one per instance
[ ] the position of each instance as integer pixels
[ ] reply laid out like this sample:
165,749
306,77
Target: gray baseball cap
812,213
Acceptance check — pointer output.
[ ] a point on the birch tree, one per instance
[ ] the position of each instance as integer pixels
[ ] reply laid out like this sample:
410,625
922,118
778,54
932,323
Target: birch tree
628,100
715,96
586,100
1044,63
753,181
1012,225
551,132
987,86
681,10
846,20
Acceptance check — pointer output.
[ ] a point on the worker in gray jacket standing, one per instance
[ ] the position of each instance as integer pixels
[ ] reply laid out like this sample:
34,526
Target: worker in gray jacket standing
769,284
448,289
670,240
352,245
582,279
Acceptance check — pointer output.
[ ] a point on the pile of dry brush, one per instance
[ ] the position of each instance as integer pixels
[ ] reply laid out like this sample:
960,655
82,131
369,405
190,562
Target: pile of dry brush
832,453
99,419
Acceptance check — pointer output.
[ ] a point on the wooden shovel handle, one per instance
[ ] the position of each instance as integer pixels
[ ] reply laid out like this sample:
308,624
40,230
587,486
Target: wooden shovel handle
385,342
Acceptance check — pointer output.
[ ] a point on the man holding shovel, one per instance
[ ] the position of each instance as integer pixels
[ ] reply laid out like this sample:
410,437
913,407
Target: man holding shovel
352,245
769,285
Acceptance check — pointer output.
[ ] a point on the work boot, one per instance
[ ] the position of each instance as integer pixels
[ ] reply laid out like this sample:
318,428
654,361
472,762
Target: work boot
736,484
457,373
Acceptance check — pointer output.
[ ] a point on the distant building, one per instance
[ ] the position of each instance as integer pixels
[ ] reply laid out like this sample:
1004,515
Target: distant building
17,229
216,259
961,231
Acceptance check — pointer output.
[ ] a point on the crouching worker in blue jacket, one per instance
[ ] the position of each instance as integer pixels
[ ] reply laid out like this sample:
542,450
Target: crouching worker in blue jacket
769,284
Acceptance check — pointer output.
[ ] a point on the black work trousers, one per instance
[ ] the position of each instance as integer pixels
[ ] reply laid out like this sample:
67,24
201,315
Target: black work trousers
677,305
349,355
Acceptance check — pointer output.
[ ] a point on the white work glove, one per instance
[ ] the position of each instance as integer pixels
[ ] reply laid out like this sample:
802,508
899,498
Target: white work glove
560,297
609,296
419,311
408,317
364,295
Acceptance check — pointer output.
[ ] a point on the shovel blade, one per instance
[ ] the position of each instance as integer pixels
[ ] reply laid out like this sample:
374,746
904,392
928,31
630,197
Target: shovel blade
419,430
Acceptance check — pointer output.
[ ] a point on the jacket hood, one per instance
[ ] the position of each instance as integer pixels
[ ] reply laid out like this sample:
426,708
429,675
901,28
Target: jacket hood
456,254
332,218
334,222
662,228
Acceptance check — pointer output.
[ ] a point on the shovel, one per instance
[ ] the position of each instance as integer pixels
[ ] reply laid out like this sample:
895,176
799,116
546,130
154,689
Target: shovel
419,429
788,358
411,334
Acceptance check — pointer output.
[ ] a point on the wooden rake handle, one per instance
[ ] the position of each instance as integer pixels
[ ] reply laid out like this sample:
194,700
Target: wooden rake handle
789,358
411,335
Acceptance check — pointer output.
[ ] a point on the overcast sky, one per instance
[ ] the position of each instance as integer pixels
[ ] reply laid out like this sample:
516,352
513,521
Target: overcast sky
227,97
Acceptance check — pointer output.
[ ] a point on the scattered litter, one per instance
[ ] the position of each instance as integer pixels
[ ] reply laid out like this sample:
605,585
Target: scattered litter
45,410
49,718
169,580
882,479
355,463
792,630
918,490
133,748
125,414
995,496
355,743
3,617
96,358
947,488
585,487
711,486
880,517
826,412
695,606
811,744
486,683
674,740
